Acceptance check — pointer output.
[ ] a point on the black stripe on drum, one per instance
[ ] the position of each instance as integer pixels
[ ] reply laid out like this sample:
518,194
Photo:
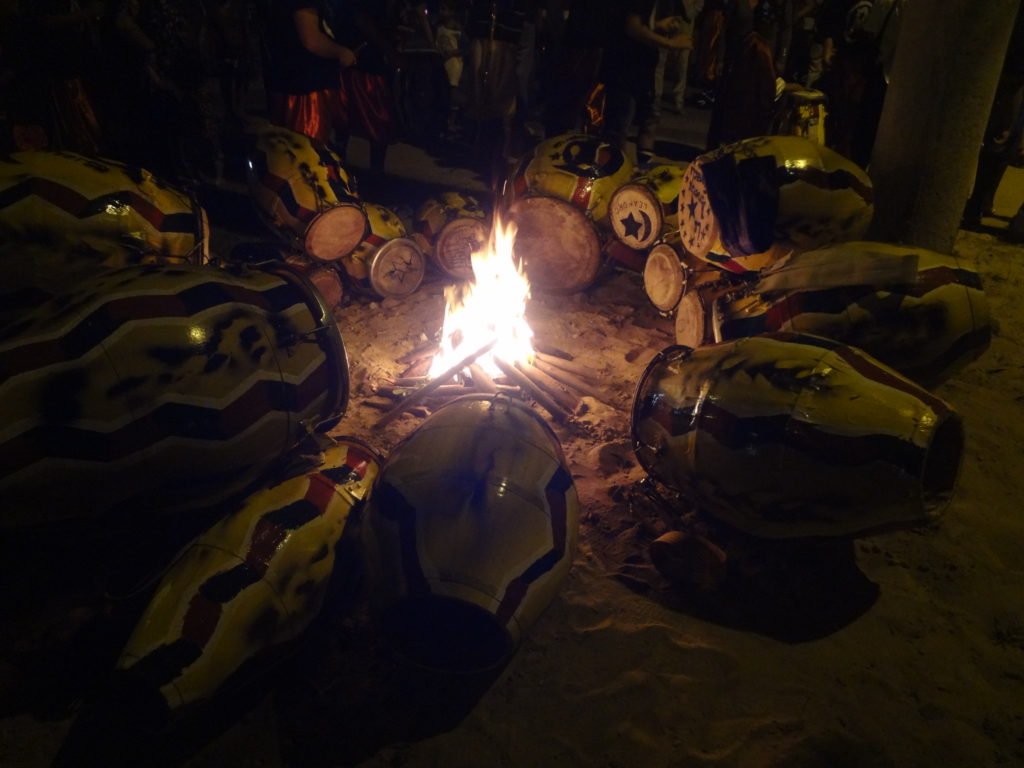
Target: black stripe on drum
166,662
292,516
389,502
170,420
829,180
227,585
741,433
966,348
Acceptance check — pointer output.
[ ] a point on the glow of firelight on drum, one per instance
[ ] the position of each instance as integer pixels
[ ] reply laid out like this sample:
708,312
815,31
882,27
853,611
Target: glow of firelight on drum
492,306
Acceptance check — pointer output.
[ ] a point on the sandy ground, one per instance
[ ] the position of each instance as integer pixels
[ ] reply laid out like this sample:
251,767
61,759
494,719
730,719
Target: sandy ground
904,649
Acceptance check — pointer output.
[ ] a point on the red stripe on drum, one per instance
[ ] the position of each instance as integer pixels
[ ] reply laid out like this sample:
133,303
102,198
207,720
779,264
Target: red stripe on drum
374,239
582,193
79,206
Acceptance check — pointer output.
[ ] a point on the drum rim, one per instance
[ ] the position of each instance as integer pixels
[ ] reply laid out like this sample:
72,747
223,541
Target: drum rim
683,352
590,227
682,274
462,221
657,205
323,316
371,266
319,218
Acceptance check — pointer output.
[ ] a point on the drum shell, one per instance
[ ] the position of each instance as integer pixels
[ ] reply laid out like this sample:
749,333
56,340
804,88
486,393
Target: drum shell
449,227
748,204
325,277
784,435
653,200
582,170
664,277
923,313
301,188
252,582
126,212
477,510
558,246
162,387
386,263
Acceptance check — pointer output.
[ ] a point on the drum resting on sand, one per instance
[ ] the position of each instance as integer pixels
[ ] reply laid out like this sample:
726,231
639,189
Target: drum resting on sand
386,264
647,208
469,532
162,387
302,189
787,435
745,205
449,228
127,215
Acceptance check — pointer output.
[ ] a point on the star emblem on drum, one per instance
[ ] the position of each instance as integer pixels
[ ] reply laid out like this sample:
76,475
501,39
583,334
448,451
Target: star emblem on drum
632,225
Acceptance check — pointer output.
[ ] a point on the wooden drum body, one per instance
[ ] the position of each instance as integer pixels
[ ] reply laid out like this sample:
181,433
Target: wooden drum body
923,313
386,263
449,228
785,435
162,387
745,205
301,189
647,209
470,531
556,243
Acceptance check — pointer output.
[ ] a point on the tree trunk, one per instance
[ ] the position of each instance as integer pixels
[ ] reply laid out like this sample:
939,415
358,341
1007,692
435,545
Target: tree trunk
944,77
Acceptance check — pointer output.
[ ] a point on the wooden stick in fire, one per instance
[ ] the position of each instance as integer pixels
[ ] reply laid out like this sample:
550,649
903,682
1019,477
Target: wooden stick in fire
552,386
481,381
422,393
570,366
569,379
558,413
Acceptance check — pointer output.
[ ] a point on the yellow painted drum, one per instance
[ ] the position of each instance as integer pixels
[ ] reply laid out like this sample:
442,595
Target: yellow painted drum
126,213
247,586
745,205
584,171
647,209
162,387
664,277
387,263
923,313
470,531
786,435
556,243
302,189
449,228
802,113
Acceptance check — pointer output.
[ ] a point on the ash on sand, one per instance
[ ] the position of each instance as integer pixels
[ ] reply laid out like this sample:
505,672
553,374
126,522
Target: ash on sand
901,649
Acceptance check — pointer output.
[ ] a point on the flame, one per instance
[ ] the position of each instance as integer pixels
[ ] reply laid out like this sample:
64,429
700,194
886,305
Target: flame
492,306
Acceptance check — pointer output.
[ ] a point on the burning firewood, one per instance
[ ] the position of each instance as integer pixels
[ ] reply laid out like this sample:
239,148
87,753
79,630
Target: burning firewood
558,413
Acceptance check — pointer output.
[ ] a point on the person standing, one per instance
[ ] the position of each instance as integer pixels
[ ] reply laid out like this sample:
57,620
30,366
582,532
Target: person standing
677,61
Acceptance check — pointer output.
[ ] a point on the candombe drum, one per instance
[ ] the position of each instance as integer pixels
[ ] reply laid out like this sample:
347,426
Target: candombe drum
745,205
301,189
647,209
449,228
324,276
127,215
664,277
162,387
245,588
923,313
386,264
560,192
790,435
802,113
471,528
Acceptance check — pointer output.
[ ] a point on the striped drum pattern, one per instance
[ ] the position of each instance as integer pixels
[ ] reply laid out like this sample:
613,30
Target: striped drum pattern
470,531
82,199
923,313
170,384
745,205
789,435
250,584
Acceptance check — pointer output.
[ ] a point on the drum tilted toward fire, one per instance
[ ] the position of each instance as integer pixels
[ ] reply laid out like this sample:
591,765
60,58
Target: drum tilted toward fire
746,205
169,385
471,528
127,215
921,312
250,584
449,228
301,188
786,435
386,263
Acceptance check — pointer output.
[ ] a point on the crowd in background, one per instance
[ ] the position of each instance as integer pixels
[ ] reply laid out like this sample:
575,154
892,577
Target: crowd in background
166,83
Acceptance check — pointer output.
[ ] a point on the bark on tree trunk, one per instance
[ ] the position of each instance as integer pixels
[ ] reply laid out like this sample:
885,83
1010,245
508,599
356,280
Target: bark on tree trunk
944,76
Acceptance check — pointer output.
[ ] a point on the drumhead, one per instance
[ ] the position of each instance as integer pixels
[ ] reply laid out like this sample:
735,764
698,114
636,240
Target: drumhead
336,232
556,244
664,279
635,215
692,321
455,244
698,225
396,269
